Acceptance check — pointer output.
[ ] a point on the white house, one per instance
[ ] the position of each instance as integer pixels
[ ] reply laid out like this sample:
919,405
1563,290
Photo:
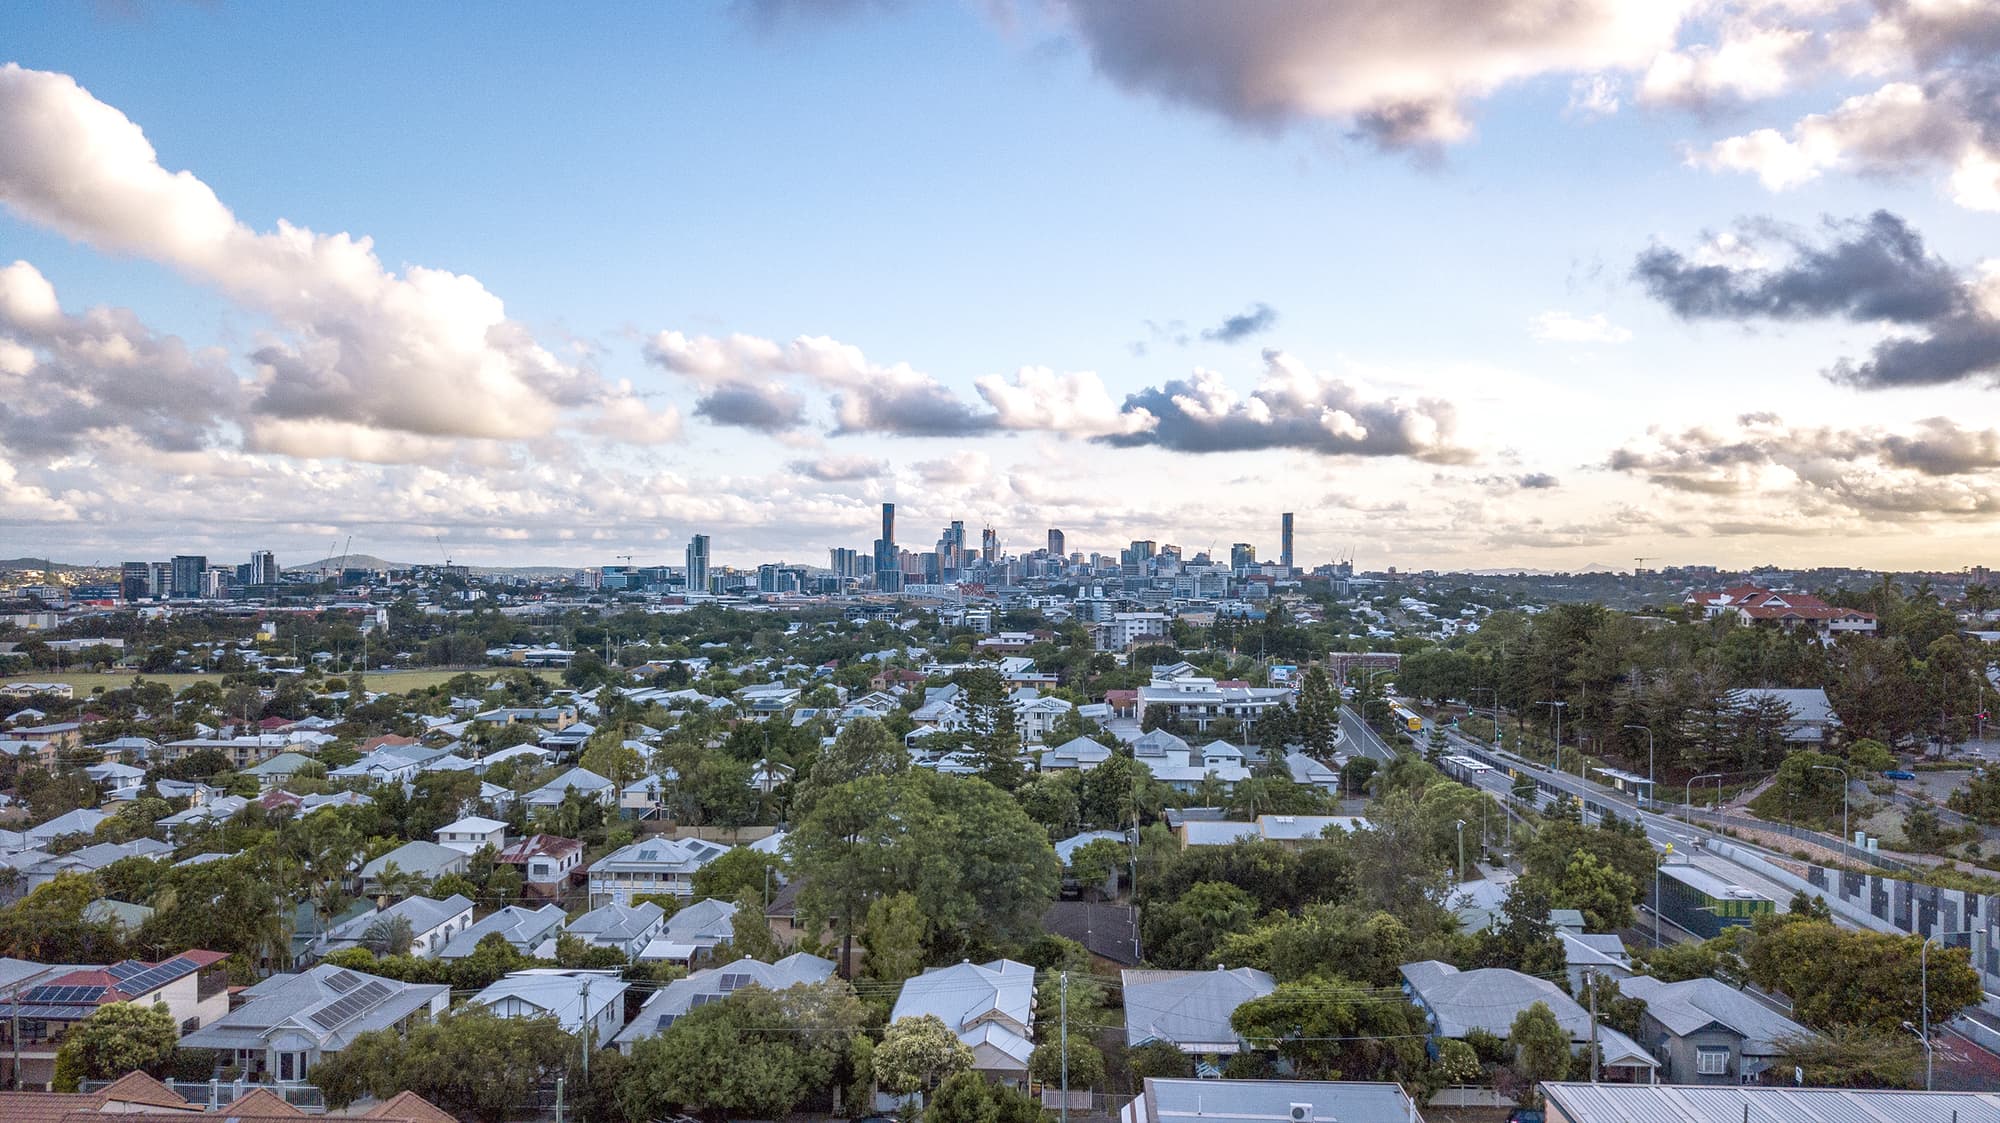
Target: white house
432,924
473,834
628,928
656,865
990,1006
283,1025
578,1000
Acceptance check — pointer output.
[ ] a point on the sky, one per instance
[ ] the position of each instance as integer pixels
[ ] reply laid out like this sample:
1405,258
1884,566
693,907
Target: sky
1535,283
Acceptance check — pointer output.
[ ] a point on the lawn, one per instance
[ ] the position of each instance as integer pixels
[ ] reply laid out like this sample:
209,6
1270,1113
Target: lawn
394,682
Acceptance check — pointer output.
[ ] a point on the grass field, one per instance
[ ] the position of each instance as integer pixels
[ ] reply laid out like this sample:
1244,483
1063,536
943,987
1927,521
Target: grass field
394,682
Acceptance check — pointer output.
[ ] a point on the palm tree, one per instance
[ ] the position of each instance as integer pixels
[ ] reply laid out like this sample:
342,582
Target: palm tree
394,881
389,935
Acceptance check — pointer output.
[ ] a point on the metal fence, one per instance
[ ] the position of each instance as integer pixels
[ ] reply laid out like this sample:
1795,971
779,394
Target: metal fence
214,1094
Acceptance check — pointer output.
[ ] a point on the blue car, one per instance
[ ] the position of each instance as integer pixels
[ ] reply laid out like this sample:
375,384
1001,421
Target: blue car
1899,774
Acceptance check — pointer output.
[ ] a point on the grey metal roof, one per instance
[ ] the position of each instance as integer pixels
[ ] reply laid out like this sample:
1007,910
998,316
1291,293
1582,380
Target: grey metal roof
709,917
617,923
1263,1101
419,857
1722,1103
423,913
1489,998
329,1004
523,927
1189,1007
681,995
1686,1007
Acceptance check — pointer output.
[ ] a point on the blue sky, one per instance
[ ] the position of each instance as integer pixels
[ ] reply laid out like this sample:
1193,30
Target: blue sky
971,190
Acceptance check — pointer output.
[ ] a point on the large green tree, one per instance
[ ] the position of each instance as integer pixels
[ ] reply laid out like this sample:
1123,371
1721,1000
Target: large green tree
471,1062
117,1039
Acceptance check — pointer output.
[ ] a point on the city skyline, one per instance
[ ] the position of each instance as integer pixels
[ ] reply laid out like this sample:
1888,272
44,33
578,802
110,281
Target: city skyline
1692,283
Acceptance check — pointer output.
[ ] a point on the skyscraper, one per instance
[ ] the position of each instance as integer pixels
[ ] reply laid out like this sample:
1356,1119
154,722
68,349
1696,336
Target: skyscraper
888,564
1285,541
697,564
989,545
188,573
263,568
1056,543
1242,556
133,580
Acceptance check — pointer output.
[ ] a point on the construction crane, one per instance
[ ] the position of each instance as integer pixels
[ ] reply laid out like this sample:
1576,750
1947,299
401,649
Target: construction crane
1636,563
446,554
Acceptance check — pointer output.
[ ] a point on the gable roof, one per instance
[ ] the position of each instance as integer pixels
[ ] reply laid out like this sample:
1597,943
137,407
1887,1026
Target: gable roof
408,1107
261,1101
1687,1007
1189,1008
965,992
329,1004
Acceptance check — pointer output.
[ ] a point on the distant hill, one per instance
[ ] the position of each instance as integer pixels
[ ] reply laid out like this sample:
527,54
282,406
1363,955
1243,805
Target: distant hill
350,561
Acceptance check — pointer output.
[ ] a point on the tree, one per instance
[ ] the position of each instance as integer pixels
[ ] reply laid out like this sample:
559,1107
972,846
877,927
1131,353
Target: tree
117,1039
1181,932
1541,1045
1158,1059
967,1097
470,1062
750,934
1331,1028
735,871
388,935
1847,1057
1095,862
1318,713
1590,885
917,1053
756,1053
1355,774
1860,979
864,748
1086,1062
894,934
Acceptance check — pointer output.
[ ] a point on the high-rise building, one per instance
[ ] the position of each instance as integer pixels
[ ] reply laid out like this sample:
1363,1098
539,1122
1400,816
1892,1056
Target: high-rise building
1285,541
989,545
1242,556
697,564
844,562
134,579
1056,543
188,576
888,563
263,568
161,581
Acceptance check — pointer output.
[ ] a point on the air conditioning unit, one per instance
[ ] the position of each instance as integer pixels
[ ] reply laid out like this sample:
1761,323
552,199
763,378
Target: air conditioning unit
1302,1113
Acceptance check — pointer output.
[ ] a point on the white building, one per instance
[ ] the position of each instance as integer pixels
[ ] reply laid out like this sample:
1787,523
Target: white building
578,1000
472,834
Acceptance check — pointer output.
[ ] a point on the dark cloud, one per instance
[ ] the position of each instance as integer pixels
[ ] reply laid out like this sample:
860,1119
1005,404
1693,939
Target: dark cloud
767,409
1536,481
1240,327
1872,271
1292,407
839,469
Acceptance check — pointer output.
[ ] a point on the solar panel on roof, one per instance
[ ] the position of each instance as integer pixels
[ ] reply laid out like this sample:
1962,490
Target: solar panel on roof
703,1000
665,1021
733,980
343,981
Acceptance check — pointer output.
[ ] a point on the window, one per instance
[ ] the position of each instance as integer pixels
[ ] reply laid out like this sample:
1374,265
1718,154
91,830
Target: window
1711,1061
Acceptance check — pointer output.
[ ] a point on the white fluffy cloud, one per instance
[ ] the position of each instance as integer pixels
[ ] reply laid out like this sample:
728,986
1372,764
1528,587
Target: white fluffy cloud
1399,71
426,352
1900,128
1037,398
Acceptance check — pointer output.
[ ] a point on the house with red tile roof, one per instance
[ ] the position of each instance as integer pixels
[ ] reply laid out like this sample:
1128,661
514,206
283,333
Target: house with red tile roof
193,986
1792,611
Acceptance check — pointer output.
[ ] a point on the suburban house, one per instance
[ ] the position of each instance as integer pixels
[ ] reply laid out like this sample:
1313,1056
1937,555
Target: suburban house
1285,1101
1456,1002
42,1002
1190,1010
586,784
432,924
283,1025
548,863
524,929
1036,717
1196,701
1707,1032
693,932
134,1093
472,834
1079,753
579,1000
768,776
1290,830
279,770
426,861
1174,763
1811,713
628,928
1753,604
713,984
990,1006
656,865
1577,1102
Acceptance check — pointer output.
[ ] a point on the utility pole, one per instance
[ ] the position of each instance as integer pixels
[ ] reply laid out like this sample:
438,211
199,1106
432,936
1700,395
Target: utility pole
1064,1004
1590,981
586,1031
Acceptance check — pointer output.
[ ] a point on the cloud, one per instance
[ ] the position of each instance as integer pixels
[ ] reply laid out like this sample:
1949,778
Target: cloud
765,407
1040,399
426,352
1563,327
956,469
1748,61
1237,328
101,375
1292,407
839,469
1526,481
1399,72
1899,129
1936,466
1592,97
1872,271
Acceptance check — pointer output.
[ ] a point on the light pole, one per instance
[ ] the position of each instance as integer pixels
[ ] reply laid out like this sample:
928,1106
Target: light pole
1923,1039
1461,850
1687,803
1559,705
1845,782
1657,863
1651,795
1924,977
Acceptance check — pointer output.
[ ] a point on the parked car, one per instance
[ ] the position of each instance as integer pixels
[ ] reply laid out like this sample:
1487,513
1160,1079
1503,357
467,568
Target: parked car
1899,774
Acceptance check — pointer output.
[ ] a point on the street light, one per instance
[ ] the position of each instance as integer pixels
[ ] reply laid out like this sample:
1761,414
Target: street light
1657,863
1687,803
1924,967
1845,783
1559,705
1461,850
1922,1039
1651,795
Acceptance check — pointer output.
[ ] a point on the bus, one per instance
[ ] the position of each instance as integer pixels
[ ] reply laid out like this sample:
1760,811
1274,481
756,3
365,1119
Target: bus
1408,717
1460,767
